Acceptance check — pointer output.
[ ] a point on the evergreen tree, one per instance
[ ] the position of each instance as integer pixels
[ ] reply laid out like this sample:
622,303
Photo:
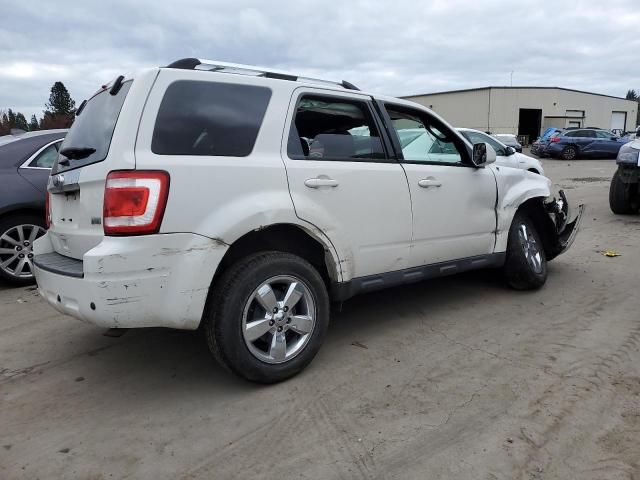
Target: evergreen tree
21,122
11,119
60,101
632,95
60,111
33,124
4,122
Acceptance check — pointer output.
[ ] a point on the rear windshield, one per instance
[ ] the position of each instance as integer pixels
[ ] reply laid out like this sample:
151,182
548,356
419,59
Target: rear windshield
93,128
209,118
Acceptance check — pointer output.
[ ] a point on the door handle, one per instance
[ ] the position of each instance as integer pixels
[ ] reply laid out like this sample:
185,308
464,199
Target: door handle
320,182
429,182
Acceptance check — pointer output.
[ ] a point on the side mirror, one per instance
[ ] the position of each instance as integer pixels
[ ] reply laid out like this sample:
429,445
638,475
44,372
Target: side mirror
483,154
510,150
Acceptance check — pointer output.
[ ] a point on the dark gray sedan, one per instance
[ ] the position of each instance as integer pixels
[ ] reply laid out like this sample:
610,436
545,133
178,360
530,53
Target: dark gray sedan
25,163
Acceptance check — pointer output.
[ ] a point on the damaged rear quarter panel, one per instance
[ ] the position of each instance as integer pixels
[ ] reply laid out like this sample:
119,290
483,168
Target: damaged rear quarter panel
515,186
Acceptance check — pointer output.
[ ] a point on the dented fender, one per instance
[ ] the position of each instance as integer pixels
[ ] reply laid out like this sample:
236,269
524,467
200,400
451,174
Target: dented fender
550,209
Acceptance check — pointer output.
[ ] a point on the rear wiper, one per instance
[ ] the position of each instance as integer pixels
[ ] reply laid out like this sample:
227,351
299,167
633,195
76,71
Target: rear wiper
76,153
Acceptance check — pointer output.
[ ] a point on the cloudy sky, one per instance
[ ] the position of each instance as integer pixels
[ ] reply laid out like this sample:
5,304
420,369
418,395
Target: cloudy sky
394,47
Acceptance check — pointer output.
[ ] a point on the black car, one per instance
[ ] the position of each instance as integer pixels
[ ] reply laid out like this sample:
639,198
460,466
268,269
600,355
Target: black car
25,163
510,141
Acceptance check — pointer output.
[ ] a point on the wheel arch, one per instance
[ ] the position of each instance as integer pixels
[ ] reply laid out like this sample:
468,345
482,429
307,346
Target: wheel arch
535,210
289,238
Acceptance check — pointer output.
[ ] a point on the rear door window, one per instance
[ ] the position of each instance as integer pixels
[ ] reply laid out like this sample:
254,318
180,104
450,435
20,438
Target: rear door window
334,128
209,118
93,129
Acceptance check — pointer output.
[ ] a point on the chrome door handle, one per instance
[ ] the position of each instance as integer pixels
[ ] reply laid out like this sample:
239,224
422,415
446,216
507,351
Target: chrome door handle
320,182
429,182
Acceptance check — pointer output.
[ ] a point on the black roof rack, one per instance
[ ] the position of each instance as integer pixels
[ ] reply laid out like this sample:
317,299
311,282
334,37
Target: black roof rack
214,66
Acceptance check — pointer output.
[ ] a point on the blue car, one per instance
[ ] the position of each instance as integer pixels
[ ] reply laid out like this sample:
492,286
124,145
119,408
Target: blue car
538,147
583,143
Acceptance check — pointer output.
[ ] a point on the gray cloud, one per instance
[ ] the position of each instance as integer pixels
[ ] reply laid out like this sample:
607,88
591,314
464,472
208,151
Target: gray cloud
398,48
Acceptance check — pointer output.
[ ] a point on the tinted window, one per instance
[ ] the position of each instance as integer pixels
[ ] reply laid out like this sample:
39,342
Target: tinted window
207,118
94,127
477,137
604,134
421,140
328,128
47,157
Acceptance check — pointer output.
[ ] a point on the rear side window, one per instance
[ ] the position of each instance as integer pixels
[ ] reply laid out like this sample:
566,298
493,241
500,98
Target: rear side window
334,128
208,118
93,129
47,157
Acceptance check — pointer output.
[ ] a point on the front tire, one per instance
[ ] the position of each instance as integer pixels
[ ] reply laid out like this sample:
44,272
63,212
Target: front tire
620,197
267,316
526,264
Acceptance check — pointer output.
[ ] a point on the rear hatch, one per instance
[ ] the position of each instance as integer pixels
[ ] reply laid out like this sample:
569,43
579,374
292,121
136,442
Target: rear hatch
101,139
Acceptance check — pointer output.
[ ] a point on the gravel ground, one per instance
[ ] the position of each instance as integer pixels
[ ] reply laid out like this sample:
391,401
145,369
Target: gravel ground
453,378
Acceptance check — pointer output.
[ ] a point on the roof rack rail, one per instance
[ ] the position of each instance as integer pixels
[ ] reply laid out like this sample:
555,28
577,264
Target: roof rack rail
214,66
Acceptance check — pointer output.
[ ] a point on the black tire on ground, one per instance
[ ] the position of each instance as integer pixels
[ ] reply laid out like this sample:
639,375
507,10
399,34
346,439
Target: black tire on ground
225,308
620,197
526,264
570,153
8,224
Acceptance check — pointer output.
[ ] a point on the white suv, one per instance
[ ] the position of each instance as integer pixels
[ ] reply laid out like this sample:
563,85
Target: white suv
244,201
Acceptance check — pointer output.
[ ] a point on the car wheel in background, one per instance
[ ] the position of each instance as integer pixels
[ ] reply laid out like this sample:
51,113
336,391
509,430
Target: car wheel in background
621,198
267,316
525,267
570,153
17,234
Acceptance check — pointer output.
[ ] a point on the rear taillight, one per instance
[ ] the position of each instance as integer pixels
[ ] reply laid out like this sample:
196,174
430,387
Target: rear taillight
554,139
47,210
134,202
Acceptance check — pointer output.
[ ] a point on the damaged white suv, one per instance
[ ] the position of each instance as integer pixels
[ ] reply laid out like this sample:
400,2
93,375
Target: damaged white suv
244,201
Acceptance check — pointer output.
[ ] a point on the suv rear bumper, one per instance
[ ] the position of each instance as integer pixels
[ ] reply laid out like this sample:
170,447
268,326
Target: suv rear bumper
130,282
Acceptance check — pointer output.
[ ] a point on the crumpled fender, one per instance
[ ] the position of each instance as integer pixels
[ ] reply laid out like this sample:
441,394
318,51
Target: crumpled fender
519,189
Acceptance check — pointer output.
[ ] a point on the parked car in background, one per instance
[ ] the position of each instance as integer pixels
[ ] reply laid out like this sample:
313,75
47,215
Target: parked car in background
25,163
624,192
538,146
583,143
509,140
505,155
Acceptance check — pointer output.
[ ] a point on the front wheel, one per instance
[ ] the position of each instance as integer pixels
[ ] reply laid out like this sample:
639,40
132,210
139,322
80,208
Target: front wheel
526,264
267,316
620,196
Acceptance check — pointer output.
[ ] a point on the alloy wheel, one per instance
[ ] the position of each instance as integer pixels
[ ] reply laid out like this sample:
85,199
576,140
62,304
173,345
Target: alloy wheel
16,250
530,247
278,319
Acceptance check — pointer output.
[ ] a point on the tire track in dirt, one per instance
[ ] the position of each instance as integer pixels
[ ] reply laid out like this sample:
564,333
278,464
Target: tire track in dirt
585,378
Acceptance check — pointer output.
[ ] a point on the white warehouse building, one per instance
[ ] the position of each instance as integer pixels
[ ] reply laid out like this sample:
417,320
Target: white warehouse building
527,111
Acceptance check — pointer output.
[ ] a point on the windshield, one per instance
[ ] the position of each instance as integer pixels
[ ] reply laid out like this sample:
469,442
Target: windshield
92,130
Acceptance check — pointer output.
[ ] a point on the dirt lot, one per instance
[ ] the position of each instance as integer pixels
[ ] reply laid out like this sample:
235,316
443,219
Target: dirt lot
455,378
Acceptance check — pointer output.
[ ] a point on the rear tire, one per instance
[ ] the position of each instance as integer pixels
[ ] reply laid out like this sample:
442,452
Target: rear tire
17,233
570,153
247,320
526,264
620,197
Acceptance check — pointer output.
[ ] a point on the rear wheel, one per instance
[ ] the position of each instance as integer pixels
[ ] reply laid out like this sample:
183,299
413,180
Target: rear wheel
526,264
267,317
17,234
570,153
621,200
